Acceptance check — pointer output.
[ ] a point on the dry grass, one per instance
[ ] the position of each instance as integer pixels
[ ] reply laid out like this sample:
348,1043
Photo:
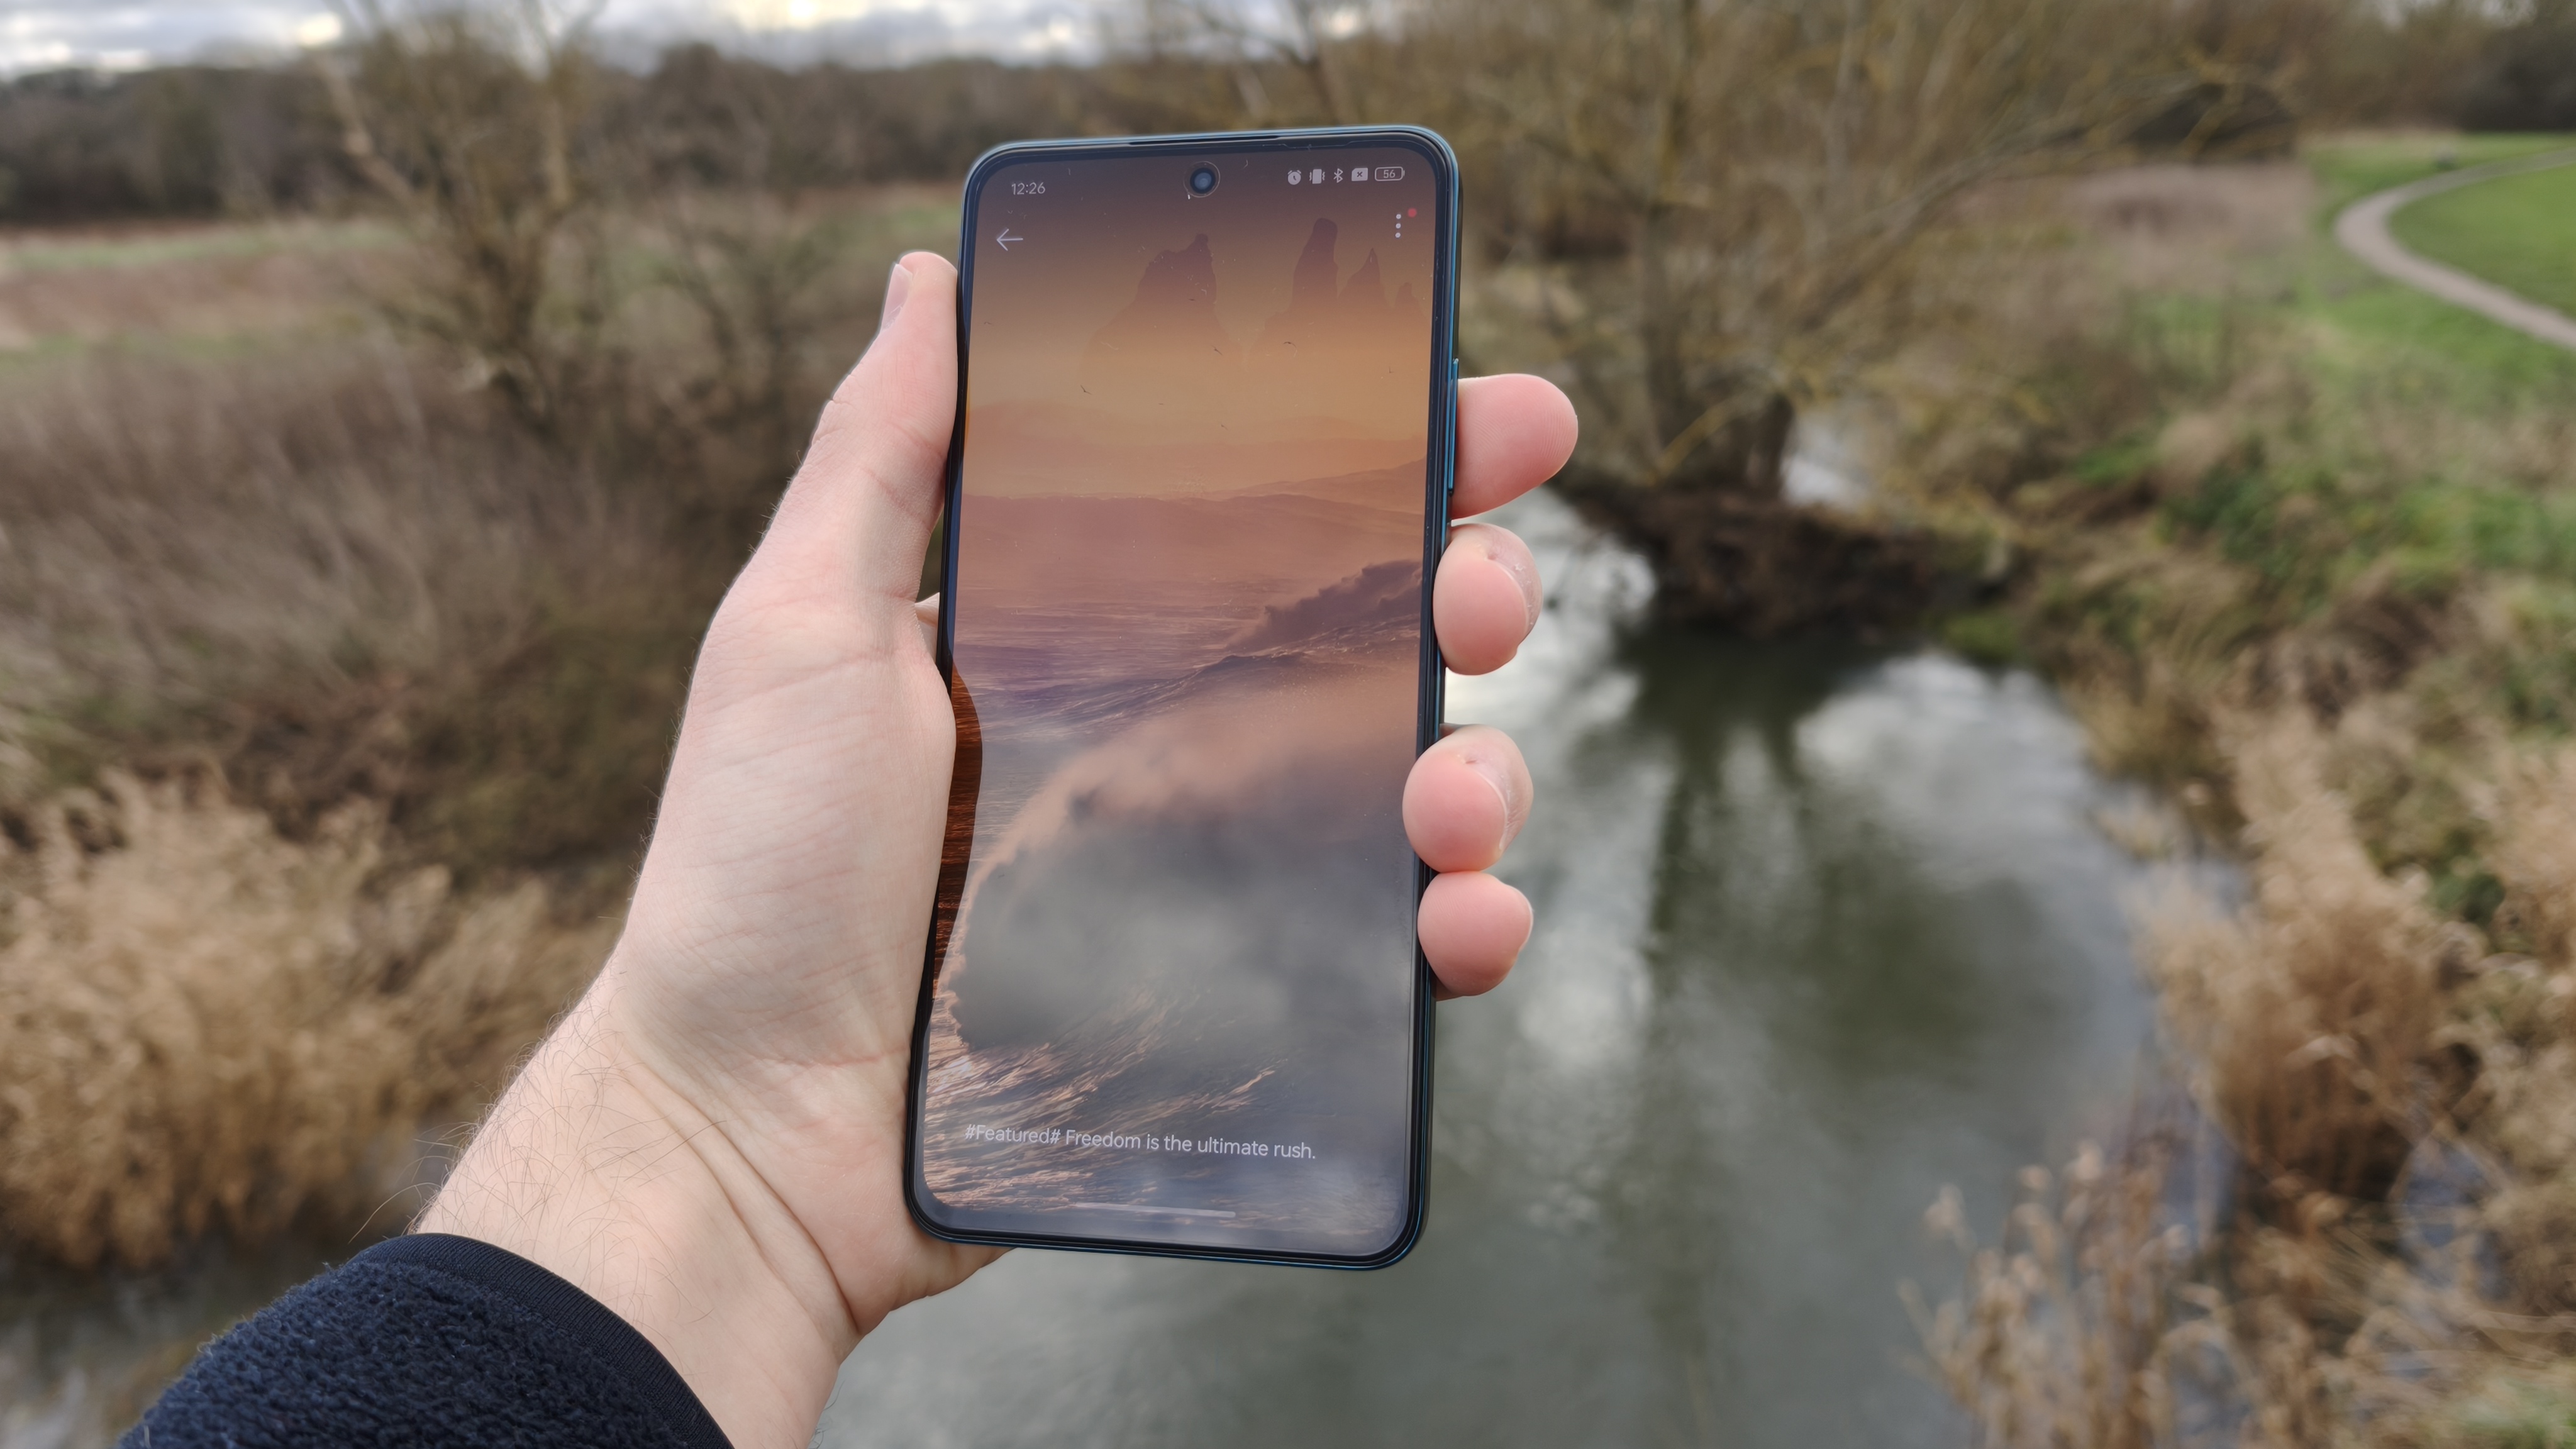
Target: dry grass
204,1025
334,697
2067,1333
2302,555
2402,1099
2176,227
2535,857
2308,1016
2434,1308
310,662
307,664
177,530
337,575
2518,1016
188,283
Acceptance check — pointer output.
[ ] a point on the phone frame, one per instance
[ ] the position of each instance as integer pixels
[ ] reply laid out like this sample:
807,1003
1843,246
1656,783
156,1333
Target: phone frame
1439,477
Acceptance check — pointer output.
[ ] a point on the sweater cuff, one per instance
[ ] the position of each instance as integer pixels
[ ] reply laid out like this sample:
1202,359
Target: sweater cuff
582,1319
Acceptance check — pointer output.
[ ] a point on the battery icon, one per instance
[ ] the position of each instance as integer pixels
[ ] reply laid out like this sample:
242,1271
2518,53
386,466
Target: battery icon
1390,173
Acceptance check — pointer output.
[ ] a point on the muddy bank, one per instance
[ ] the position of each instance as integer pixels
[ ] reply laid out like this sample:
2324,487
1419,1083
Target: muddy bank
1768,568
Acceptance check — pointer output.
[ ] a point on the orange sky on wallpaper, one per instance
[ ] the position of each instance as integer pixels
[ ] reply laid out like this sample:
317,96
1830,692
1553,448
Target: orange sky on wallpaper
1186,618
1137,339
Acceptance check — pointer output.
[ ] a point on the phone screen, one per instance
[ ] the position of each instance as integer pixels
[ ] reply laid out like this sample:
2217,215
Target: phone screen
1174,1001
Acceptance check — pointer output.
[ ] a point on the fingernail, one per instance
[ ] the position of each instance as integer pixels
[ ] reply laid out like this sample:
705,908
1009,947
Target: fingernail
1524,572
1501,779
898,287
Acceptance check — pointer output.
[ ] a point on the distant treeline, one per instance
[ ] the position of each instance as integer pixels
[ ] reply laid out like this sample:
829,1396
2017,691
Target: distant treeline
187,141
199,141
2525,76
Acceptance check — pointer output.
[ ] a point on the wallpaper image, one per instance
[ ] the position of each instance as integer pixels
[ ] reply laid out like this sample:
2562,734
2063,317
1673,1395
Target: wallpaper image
1175,951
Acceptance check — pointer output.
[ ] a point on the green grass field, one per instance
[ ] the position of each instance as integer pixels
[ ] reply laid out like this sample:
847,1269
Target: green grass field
2366,327
40,251
2351,168
2518,232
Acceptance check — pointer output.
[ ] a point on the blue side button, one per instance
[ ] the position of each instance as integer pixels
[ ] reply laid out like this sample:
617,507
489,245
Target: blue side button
1453,425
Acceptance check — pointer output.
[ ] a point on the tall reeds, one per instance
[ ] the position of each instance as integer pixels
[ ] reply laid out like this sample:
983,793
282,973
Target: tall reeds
2310,1014
204,1025
2071,1332
235,605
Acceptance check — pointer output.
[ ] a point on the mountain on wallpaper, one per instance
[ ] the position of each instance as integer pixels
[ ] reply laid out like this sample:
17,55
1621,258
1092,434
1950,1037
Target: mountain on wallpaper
1333,321
1169,336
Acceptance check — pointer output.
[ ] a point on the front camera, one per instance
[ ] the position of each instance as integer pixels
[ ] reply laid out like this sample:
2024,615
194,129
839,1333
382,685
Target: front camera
1202,179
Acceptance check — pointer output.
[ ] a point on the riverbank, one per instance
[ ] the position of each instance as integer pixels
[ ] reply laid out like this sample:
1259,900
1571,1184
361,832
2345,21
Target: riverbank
2307,556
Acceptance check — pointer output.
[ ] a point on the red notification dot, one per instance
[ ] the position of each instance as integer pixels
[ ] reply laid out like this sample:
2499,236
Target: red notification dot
1408,211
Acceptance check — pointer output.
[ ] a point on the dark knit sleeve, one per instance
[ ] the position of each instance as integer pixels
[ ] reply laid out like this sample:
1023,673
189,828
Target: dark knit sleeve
435,1341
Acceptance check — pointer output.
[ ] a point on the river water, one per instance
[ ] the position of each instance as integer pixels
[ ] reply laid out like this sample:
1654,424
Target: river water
1820,930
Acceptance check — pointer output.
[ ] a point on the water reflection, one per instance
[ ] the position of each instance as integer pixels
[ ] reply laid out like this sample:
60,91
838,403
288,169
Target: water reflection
1820,931
82,1354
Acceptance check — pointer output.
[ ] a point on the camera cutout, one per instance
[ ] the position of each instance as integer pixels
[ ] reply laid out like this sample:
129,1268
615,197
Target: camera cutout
1203,179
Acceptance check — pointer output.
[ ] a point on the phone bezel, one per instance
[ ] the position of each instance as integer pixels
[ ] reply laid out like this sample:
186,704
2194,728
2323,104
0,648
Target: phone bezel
1439,476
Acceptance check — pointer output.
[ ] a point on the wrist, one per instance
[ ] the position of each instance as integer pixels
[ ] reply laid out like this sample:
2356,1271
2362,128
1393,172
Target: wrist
592,1167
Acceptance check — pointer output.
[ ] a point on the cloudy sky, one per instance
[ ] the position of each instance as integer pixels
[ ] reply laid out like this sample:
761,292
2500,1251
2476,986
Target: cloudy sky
121,34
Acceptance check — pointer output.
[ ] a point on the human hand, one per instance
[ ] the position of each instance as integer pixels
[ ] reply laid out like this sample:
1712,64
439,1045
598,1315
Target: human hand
711,1142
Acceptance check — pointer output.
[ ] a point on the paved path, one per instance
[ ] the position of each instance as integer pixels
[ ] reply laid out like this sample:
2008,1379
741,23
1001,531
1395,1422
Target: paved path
2363,230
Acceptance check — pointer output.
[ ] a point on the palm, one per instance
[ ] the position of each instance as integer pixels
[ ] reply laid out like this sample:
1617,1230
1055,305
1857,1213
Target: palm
804,813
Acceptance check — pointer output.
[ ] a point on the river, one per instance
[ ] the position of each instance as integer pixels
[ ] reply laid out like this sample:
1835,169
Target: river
1821,929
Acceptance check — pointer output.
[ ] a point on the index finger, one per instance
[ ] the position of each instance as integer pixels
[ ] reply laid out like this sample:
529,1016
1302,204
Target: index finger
1514,432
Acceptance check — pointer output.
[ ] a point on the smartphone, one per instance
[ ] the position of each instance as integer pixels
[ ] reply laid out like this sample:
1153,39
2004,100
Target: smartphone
1173,1002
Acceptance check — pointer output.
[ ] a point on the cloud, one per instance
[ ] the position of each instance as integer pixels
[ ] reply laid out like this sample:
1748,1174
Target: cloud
130,36
865,32
46,35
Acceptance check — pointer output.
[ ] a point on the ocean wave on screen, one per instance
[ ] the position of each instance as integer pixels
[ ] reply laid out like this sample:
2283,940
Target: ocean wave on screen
1373,613
1370,607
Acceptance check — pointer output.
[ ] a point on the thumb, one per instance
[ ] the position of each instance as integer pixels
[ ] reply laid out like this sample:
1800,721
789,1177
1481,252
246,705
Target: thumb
859,510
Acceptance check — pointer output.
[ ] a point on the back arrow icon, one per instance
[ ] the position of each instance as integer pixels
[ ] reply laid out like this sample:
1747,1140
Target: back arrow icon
1005,239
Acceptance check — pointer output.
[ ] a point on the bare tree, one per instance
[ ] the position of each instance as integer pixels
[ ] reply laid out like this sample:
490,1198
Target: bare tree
1306,37
1751,179
464,117
755,271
